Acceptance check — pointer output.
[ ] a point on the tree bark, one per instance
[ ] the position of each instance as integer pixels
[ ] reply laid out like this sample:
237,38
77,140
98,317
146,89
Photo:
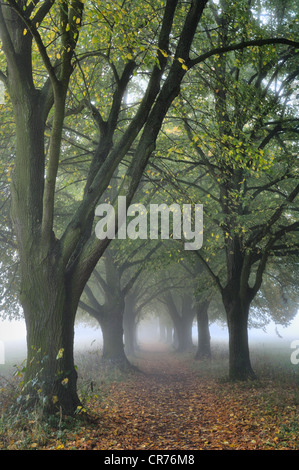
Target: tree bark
184,334
182,322
50,377
113,339
204,338
130,326
111,323
46,299
237,310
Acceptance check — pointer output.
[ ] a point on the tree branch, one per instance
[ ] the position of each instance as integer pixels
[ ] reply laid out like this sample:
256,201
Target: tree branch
259,234
242,45
35,34
210,271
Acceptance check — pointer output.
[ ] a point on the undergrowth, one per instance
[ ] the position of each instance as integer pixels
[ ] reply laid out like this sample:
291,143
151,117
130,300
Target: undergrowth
278,384
21,428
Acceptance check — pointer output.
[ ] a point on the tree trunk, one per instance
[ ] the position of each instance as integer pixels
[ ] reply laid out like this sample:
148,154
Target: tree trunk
183,327
181,313
169,334
165,330
237,318
50,377
162,331
204,339
130,328
113,339
49,307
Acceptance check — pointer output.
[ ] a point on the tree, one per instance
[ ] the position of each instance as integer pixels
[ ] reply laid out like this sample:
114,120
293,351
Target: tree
277,300
245,157
107,308
54,270
9,302
180,309
203,331
42,43
108,297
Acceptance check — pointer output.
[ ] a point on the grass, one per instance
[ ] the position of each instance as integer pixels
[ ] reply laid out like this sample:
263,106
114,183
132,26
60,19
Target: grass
278,381
21,429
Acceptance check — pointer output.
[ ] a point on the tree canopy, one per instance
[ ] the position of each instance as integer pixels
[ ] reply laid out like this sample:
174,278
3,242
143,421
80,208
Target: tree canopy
189,102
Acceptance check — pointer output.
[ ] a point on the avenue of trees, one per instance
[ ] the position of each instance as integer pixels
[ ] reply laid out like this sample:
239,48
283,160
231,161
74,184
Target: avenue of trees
168,101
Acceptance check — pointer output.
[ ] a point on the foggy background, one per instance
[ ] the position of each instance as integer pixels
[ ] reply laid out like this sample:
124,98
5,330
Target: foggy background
13,336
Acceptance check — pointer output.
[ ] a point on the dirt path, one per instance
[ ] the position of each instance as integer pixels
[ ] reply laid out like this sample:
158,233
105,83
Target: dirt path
169,407
158,411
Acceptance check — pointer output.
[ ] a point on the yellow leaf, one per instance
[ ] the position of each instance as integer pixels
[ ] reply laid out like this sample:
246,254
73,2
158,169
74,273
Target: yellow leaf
80,409
25,32
60,353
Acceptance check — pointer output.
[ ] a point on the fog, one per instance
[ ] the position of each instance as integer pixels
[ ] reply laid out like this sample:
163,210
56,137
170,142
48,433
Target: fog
13,336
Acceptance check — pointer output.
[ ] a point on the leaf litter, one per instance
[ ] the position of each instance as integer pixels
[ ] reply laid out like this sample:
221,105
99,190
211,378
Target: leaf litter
169,405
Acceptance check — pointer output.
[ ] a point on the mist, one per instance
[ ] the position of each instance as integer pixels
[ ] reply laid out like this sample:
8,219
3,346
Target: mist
13,337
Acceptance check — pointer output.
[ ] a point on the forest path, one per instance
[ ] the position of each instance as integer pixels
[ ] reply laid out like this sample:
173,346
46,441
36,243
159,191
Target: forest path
174,403
170,405
161,407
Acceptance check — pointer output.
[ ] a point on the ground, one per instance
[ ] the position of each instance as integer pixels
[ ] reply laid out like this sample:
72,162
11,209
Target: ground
170,403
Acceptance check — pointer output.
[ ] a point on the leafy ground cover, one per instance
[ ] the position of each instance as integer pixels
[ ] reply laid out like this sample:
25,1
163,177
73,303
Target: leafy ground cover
171,403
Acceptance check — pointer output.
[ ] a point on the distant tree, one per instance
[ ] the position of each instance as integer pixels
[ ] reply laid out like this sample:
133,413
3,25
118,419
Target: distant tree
107,297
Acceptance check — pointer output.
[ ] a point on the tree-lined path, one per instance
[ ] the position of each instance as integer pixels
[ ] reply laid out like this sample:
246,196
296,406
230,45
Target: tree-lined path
149,171
170,405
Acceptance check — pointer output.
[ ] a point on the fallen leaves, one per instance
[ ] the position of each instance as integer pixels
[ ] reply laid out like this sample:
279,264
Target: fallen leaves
169,407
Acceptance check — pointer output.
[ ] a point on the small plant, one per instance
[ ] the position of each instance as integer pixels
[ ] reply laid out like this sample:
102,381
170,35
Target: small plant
32,391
